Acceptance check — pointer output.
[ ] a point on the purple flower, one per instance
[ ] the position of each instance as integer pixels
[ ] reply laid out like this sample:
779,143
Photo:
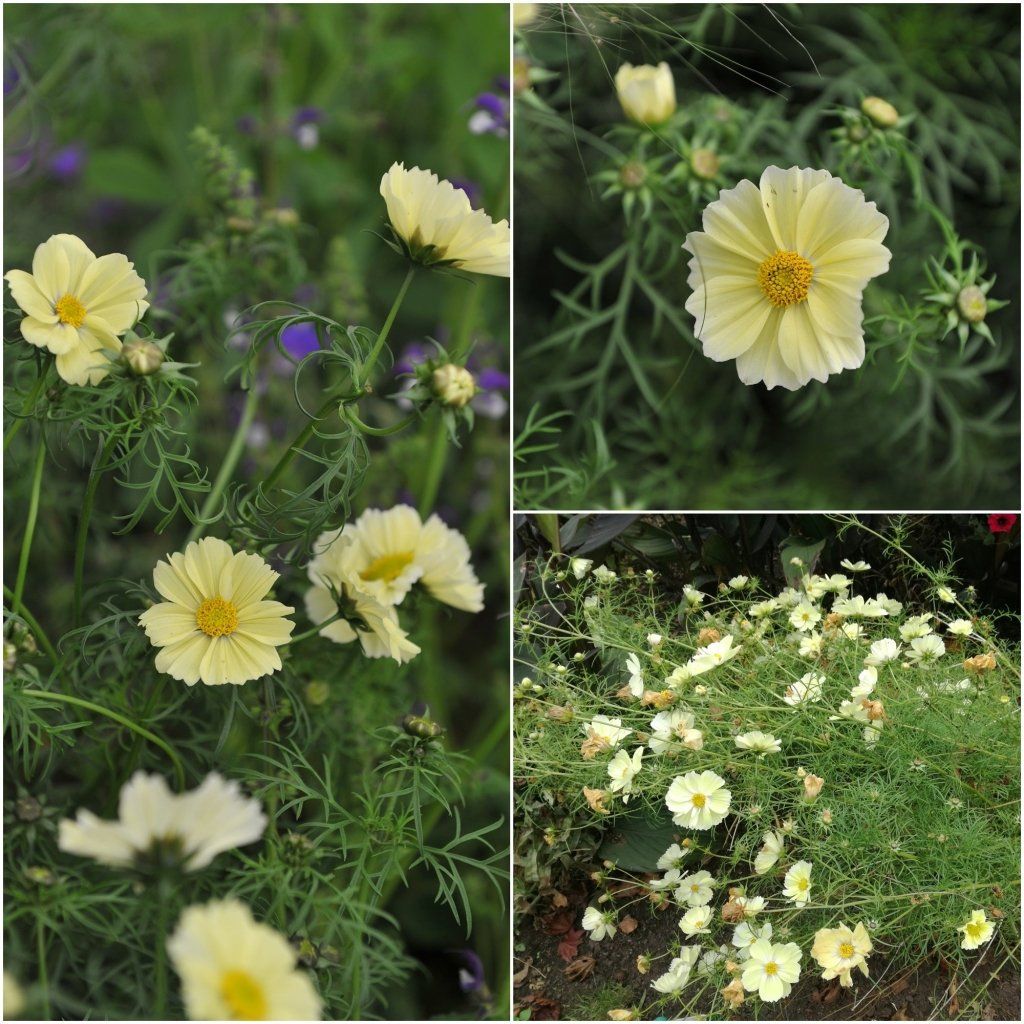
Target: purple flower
247,124
300,339
492,379
471,974
412,355
491,112
11,79
307,115
471,188
67,163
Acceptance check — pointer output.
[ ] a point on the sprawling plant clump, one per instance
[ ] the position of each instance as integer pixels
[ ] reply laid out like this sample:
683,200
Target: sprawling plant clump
816,783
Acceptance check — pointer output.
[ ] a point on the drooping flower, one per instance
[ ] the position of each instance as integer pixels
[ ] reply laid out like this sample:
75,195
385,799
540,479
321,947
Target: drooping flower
608,729
773,843
760,742
155,826
797,883
581,566
647,94
77,305
698,800
772,970
600,924
696,889
860,566
840,950
438,226
778,273
678,973
235,968
636,675
977,930
214,624
622,770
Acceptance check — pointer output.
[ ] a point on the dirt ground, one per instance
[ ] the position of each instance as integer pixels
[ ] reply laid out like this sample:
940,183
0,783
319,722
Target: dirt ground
544,991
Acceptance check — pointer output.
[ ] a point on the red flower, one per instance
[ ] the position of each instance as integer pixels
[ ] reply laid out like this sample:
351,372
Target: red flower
1001,522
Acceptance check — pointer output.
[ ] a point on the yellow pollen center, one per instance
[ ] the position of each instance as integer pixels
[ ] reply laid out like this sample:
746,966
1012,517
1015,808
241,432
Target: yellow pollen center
70,311
771,967
974,930
846,950
699,799
388,567
243,995
217,617
785,278
801,884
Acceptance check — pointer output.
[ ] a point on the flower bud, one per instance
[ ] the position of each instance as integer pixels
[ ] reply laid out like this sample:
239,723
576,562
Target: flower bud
972,304
317,693
453,385
704,163
632,175
880,111
812,787
421,727
142,356
647,94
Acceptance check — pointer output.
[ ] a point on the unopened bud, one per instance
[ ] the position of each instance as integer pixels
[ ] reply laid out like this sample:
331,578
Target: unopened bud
882,112
424,728
142,356
704,163
632,175
972,304
453,385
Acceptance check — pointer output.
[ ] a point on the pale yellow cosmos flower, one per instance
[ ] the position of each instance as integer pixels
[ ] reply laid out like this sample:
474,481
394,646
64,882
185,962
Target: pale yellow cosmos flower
235,968
214,625
778,274
439,226
78,305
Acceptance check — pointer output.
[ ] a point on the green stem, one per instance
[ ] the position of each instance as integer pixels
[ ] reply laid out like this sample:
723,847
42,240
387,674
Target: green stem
371,359
332,398
160,952
349,413
313,632
82,537
30,619
227,467
65,698
13,429
44,981
30,526
435,466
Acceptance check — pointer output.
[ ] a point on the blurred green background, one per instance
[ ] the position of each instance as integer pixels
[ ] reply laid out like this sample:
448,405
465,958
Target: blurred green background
317,101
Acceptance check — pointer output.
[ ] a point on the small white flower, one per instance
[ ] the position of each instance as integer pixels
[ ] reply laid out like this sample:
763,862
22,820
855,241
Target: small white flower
678,973
609,729
698,800
855,566
696,921
669,726
867,680
771,851
810,645
738,582
694,598
926,648
581,566
636,675
805,616
752,905
960,627
760,742
852,630
695,889
603,574
977,930
797,883
654,639
771,970
707,658
622,770
600,924
673,857
945,595
746,934
806,690
916,626
882,651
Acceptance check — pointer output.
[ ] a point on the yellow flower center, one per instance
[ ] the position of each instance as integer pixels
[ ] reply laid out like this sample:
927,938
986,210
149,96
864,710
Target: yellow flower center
974,929
801,884
217,617
699,799
244,996
388,567
846,950
771,967
785,278
70,311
